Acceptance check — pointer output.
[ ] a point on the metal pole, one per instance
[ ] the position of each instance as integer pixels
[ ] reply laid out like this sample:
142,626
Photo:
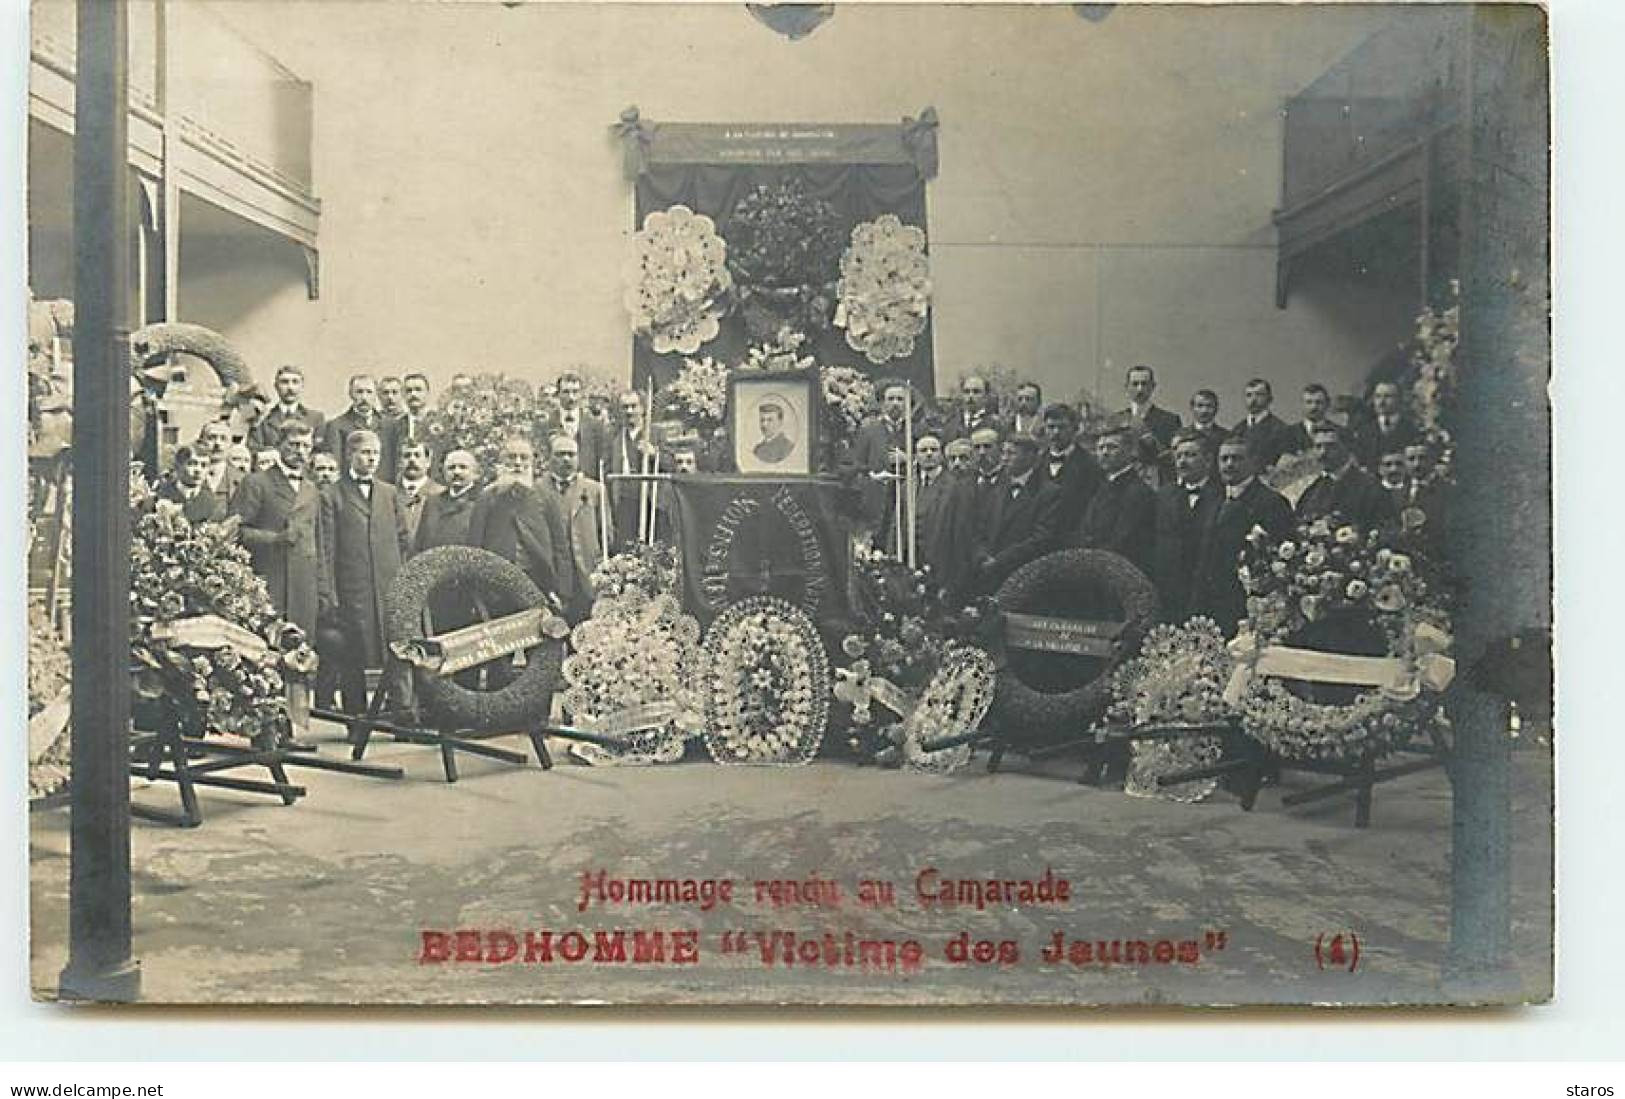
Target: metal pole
1503,433
99,963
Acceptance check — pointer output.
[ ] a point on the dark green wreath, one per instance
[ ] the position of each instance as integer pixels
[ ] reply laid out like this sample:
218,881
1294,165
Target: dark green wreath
1104,583
504,589
157,340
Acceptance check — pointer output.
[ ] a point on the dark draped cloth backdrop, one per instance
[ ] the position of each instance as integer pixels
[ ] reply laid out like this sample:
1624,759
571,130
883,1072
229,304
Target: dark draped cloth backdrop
858,192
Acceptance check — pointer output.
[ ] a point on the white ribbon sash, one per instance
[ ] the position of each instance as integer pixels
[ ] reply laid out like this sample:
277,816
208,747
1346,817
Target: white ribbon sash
1398,679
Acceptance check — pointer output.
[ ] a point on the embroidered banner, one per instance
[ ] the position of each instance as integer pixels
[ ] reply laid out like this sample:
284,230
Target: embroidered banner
744,536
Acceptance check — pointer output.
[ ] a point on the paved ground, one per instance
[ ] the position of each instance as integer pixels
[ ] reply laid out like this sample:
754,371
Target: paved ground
325,901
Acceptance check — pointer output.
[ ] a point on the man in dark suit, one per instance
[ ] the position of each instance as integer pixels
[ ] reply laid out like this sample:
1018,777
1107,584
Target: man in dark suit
220,476
405,426
1205,421
1142,415
1024,519
446,514
1264,432
1317,410
1122,515
1185,507
1343,488
1027,418
1248,502
184,485
592,436
931,489
362,540
521,518
362,415
877,454
1067,466
278,509
415,485
976,408
1425,494
290,389
987,455
445,522
630,451
1386,431
581,499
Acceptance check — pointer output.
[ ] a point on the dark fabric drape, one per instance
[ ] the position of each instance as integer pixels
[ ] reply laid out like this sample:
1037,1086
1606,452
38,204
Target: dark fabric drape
858,192
745,536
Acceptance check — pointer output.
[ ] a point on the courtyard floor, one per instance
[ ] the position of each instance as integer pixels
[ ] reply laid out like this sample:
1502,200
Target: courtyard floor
327,901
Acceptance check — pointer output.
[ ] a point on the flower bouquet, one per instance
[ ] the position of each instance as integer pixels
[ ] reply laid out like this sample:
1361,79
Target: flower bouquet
698,396
1178,678
849,400
783,249
182,573
914,630
479,416
635,670
766,684
884,289
678,280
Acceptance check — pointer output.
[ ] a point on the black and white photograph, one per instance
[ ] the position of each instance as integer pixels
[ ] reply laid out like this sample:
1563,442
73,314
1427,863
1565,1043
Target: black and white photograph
789,504
773,424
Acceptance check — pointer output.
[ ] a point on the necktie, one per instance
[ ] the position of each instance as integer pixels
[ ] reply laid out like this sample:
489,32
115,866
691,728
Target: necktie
366,489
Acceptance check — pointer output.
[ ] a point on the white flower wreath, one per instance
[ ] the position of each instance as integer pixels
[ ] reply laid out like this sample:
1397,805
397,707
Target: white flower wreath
636,652
885,289
767,684
677,280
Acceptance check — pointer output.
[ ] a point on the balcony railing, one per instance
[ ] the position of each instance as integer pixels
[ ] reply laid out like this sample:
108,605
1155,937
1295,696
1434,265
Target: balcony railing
227,93
1392,91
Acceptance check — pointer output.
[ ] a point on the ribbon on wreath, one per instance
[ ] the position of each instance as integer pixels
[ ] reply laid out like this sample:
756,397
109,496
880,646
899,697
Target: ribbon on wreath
636,137
1398,678
857,688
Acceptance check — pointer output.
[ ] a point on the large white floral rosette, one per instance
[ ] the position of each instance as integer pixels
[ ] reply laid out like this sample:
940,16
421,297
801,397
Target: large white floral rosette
952,705
635,654
885,289
766,685
677,280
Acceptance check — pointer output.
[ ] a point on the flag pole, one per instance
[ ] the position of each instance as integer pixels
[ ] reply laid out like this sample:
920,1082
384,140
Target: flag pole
646,523
908,469
603,509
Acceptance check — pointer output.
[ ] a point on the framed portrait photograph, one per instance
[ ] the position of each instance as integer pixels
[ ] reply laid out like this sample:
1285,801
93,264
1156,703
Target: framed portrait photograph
773,422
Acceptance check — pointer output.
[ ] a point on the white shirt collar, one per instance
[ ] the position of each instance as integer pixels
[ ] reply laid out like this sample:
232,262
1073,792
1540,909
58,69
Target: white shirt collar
1233,492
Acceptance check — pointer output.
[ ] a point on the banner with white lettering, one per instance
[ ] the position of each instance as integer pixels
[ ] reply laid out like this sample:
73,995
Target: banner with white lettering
744,536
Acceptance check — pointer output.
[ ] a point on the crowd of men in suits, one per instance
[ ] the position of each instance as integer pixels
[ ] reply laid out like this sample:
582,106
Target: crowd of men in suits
998,489
333,507
330,509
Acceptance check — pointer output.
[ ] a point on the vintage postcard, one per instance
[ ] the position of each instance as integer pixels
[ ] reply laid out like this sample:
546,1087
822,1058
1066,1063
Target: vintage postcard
925,504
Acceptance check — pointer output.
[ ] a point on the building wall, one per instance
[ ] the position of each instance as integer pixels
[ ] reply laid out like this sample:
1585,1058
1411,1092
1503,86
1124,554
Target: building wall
1104,197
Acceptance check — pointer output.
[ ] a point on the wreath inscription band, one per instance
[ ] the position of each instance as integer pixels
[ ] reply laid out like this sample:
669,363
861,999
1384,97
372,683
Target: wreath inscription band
481,643
1073,636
